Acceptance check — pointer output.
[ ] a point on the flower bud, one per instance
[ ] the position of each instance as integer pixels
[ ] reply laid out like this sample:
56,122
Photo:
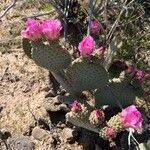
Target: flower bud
86,46
76,106
110,132
140,74
97,117
95,26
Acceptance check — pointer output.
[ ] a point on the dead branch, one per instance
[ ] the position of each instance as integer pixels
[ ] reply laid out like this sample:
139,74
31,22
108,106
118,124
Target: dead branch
38,15
8,8
5,70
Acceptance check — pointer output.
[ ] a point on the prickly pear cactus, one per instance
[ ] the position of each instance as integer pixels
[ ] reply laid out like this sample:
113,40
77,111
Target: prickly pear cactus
84,74
88,78
50,56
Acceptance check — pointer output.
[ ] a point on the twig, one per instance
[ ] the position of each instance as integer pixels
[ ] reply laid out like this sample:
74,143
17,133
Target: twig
90,3
38,15
5,143
105,9
65,20
105,17
109,56
28,104
8,8
56,6
5,70
98,8
114,26
112,30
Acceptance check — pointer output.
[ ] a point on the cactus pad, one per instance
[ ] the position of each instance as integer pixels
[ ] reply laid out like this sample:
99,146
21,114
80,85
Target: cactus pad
26,47
51,57
87,75
81,122
115,91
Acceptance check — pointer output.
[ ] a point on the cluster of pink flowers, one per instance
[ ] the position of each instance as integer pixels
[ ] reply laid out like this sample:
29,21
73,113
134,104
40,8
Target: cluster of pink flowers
35,29
76,106
50,29
135,72
130,117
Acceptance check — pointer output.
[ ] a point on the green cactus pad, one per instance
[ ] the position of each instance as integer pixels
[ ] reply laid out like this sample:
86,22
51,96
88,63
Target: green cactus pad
80,122
70,99
27,47
125,94
87,75
51,57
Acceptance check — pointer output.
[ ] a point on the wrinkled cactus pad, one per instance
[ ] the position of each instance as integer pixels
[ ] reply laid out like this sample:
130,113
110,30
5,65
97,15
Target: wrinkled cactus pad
51,56
87,75
108,95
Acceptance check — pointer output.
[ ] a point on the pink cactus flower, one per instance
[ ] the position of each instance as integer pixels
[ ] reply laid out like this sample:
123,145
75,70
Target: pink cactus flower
140,74
51,28
33,30
131,69
110,132
99,113
76,106
95,26
102,50
86,46
131,117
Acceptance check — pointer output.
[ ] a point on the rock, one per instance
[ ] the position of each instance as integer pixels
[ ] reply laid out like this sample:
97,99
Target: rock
87,139
53,105
142,146
40,134
4,134
148,143
97,147
48,142
67,135
20,143
51,93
